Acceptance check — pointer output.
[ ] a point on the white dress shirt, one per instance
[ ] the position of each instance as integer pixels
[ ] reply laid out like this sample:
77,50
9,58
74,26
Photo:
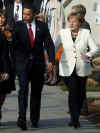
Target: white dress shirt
3,5
33,26
19,11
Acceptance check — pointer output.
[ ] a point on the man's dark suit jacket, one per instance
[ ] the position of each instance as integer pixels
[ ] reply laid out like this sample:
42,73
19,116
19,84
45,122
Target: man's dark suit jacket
23,50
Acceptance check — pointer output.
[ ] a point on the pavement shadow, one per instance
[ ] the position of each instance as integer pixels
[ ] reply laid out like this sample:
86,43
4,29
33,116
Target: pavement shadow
8,125
53,123
50,123
63,123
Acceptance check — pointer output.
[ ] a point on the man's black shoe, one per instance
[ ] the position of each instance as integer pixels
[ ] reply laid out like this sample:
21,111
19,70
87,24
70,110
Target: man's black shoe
34,125
22,124
70,124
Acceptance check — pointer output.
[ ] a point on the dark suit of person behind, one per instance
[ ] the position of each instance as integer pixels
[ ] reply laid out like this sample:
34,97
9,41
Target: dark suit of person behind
30,66
4,60
12,8
1,4
38,4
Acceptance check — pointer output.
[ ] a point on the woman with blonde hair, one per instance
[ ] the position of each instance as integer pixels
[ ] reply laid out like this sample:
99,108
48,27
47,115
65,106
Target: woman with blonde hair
79,8
75,65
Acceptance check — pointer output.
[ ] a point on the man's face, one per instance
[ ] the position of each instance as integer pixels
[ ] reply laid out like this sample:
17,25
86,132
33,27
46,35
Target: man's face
18,1
27,15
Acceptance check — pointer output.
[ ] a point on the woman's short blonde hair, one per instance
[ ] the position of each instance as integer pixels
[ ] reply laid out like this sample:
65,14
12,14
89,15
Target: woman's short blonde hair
77,15
79,9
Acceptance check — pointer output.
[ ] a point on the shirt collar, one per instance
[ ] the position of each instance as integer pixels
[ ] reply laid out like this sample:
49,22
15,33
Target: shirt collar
32,23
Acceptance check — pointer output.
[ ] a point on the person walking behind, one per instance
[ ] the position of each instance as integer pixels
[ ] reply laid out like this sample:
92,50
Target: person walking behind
14,11
55,19
40,6
6,80
75,65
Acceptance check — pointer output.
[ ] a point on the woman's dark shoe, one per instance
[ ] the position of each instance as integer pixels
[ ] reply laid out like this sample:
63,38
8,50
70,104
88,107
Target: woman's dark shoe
76,125
52,83
22,124
47,81
49,78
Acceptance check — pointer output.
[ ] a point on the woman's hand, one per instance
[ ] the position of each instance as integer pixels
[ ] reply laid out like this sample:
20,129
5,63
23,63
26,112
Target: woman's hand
40,17
8,35
4,77
84,57
8,32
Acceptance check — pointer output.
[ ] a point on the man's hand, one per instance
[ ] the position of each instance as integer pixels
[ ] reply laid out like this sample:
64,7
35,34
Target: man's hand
40,17
49,67
4,77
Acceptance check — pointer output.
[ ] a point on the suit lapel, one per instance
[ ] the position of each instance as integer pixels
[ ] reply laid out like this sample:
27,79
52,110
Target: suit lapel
26,35
37,31
70,36
78,37
13,10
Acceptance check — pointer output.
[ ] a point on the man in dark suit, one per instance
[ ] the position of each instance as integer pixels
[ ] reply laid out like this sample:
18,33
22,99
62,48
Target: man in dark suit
32,36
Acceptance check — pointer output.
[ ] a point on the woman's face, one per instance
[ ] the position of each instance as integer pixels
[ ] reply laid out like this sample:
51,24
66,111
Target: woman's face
74,23
2,20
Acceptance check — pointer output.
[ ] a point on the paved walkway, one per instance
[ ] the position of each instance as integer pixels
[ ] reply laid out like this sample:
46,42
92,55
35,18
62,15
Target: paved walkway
54,117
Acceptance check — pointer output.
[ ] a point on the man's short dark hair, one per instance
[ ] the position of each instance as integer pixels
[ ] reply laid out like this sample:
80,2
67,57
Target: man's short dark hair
30,5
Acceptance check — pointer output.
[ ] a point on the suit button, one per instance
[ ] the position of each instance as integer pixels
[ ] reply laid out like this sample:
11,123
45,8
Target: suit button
75,56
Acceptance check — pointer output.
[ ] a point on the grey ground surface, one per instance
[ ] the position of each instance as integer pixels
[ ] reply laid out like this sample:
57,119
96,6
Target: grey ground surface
54,116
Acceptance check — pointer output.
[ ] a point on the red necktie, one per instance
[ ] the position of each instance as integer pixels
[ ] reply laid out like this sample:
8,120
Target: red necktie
31,36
